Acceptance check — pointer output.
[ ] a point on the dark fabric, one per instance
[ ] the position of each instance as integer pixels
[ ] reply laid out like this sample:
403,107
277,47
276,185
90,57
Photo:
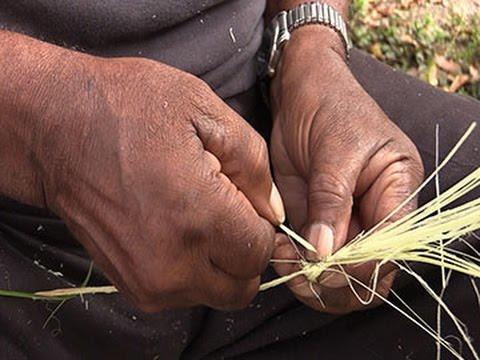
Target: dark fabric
274,325
213,39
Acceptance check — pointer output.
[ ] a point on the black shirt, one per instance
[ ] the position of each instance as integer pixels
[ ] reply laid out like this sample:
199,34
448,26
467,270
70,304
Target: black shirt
214,39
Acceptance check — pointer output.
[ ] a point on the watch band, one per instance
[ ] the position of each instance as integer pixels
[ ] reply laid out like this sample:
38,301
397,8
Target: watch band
312,13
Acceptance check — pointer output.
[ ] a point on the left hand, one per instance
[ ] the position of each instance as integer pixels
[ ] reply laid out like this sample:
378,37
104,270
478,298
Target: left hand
341,165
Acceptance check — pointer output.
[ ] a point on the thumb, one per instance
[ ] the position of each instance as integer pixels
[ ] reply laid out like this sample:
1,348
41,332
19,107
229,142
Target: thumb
330,199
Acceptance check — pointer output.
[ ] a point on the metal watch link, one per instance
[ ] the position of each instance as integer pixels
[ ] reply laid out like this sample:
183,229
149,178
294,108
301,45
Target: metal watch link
282,25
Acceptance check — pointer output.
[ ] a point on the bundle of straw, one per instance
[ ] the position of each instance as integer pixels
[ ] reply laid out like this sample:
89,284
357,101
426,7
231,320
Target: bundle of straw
423,236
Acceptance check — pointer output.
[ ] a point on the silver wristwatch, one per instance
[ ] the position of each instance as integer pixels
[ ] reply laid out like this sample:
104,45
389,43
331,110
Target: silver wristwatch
281,27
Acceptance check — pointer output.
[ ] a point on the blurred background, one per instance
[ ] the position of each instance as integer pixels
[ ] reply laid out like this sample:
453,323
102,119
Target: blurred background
435,40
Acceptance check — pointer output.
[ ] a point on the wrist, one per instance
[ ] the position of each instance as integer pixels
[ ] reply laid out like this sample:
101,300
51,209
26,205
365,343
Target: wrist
313,28
304,63
317,40
18,87
33,80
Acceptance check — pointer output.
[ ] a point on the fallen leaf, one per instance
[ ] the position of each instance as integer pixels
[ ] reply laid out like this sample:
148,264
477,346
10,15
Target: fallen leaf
474,73
459,82
447,65
385,9
409,40
413,72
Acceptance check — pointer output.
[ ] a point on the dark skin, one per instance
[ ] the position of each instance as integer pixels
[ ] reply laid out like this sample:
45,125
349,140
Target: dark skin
133,156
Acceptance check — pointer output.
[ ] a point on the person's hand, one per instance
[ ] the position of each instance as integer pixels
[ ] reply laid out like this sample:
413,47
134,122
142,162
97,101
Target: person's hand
167,188
341,165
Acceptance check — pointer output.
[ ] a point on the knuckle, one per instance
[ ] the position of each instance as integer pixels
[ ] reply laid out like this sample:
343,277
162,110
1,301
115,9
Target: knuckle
259,157
142,292
413,161
245,146
193,84
148,294
403,184
201,95
407,170
400,176
331,190
214,135
255,158
409,173
249,248
148,307
416,167
144,299
262,148
199,86
155,293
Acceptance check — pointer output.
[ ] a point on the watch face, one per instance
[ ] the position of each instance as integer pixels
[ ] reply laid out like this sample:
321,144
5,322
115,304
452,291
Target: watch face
263,54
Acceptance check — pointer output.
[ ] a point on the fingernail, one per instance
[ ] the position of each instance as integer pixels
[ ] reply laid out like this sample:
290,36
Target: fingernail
276,204
322,237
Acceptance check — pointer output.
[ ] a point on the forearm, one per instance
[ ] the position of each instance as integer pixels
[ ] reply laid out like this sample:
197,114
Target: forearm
31,79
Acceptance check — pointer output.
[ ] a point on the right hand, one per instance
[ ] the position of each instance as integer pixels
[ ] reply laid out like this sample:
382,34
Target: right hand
167,188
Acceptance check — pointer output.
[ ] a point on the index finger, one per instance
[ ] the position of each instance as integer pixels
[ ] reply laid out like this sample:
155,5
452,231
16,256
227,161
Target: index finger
240,240
243,155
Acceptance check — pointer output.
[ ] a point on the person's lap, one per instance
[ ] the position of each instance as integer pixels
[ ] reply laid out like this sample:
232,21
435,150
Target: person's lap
275,325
